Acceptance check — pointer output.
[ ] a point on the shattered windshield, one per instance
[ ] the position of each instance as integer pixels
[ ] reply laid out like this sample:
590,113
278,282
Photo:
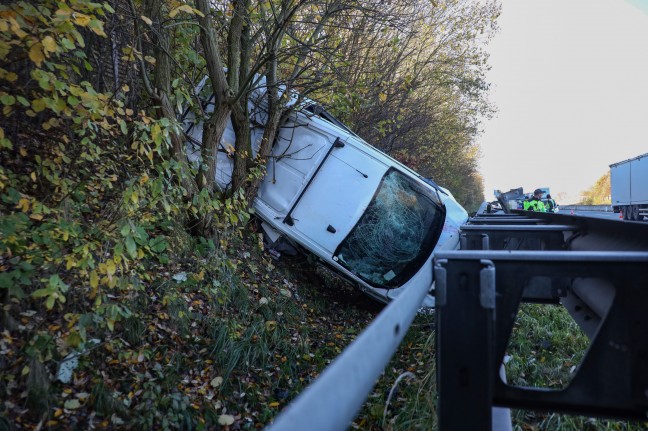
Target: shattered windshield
395,235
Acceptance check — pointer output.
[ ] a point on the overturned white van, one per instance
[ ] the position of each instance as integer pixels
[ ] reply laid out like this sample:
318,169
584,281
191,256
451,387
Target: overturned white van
363,214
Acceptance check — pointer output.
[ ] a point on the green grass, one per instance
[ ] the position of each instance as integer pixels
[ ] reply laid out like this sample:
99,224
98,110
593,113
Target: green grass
545,347
243,335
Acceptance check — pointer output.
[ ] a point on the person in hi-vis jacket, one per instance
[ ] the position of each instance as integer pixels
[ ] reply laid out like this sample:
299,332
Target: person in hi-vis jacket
536,203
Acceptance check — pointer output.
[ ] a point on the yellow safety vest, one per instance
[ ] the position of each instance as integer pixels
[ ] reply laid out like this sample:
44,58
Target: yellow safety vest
535,205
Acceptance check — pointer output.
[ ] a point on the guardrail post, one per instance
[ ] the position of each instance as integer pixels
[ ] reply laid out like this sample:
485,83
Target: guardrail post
465,325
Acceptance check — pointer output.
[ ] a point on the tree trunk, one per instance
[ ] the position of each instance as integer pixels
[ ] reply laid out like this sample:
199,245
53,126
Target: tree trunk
212,135
216,124
238,67
162,87
241,123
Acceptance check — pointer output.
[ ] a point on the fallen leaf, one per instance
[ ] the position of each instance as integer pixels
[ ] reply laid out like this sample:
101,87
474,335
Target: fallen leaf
226,420
72,404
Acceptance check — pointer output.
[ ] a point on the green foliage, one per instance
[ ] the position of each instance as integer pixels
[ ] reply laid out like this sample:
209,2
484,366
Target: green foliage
176,317
90,211
414,86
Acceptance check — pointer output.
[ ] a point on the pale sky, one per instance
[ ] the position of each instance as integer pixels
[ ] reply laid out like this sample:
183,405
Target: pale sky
570,82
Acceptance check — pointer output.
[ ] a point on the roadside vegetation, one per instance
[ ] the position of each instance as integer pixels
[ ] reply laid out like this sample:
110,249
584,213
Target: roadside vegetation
545,350
134,294
600,193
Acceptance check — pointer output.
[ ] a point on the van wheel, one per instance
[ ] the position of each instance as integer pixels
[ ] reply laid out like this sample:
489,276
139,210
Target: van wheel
635,212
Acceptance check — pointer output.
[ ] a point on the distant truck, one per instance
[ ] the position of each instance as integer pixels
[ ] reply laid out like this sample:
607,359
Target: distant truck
629,184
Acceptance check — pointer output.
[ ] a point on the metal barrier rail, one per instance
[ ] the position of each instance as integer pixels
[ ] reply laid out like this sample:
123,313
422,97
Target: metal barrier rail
334,399
478,294
612,250
605,208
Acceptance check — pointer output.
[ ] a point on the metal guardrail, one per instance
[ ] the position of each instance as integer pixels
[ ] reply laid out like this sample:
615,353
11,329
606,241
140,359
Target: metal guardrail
605,208
506,273
334,399
478,295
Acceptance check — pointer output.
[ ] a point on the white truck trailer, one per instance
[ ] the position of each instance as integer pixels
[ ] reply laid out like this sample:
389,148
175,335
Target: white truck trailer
629,184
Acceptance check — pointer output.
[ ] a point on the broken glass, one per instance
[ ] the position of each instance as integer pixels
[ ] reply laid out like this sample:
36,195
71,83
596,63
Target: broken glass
395,235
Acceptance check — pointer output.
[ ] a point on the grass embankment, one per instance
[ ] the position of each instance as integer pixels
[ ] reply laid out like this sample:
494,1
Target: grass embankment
545,350
224,340
218,340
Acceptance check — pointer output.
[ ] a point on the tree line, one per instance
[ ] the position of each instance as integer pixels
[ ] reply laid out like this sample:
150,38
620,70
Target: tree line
96,190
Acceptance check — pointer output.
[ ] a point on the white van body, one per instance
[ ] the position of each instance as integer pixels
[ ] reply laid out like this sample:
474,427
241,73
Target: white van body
362,213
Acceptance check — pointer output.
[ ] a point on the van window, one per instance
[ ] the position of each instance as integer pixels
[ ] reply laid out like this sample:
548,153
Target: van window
395,235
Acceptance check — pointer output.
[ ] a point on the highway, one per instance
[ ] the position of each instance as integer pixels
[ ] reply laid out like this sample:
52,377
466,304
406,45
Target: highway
596,211
590,213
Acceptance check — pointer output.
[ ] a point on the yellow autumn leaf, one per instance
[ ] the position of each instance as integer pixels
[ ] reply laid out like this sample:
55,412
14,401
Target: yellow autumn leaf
94,279
183,8
23,151
63,13
33,176
23,204
81,19
11,77
273,404
49,44
38,105
110,267
36,54
37,217
270,325
98,29
382,97
15,27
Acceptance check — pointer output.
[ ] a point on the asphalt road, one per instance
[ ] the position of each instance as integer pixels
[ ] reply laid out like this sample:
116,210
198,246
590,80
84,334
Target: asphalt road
597,214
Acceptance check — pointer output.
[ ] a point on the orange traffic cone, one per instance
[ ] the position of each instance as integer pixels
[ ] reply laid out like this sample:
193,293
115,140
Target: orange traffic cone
620,214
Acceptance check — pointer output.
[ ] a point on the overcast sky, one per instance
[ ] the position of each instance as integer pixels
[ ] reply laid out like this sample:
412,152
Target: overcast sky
570,82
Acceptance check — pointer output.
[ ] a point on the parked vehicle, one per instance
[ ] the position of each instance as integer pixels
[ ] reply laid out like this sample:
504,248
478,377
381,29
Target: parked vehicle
363,214
629,187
